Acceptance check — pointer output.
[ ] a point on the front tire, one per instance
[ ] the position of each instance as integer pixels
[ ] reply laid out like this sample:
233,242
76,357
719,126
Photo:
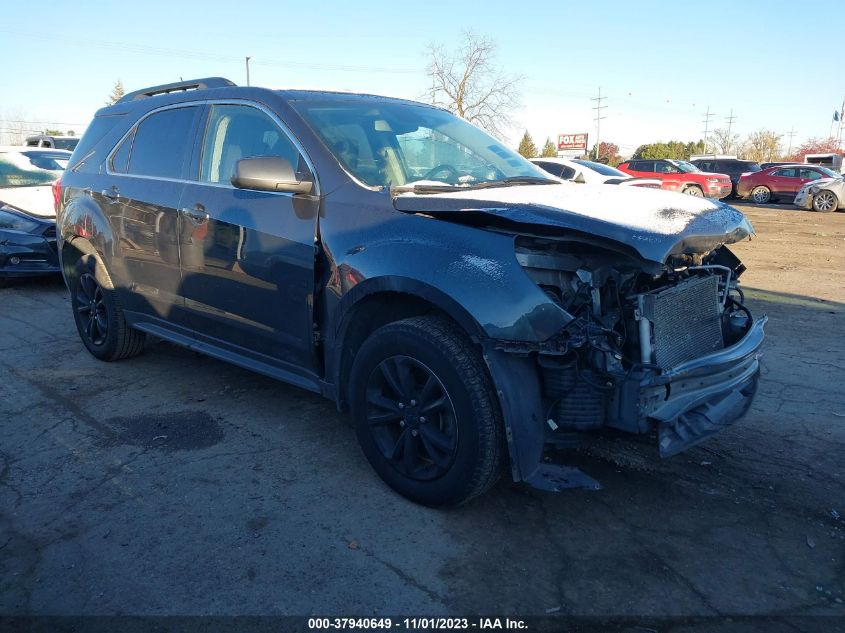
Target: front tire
97,313
695,191
825,201
426,413
761,194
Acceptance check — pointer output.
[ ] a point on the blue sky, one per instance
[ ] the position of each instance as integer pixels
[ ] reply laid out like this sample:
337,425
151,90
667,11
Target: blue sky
661,64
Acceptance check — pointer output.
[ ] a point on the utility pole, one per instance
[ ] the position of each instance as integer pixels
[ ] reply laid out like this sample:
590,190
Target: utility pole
707,116
247,69
730,120
790,135
598,108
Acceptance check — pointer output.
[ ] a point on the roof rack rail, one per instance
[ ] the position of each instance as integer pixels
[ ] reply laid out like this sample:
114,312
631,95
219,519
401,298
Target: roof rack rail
193,84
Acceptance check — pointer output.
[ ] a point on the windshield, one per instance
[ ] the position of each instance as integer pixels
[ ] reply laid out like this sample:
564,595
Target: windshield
30,169
604,170
684,166
830,172
394,144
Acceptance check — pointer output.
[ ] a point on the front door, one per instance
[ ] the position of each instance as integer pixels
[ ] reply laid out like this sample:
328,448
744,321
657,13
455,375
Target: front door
248,256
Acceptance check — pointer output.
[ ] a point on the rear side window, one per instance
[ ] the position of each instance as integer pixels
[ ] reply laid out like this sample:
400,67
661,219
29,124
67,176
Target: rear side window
162,142
810,174
82,159
789,172
120,159
553,168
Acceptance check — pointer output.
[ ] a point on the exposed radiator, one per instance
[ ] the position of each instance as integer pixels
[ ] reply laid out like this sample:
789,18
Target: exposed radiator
686,320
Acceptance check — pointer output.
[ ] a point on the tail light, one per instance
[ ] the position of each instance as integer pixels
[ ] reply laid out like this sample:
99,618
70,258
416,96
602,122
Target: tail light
57,195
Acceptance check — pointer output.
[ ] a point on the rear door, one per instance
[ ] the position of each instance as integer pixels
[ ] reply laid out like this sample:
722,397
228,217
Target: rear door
142,189
248,256
808,174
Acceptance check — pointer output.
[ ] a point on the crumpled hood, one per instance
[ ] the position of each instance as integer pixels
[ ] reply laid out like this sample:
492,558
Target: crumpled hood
35,200
653,222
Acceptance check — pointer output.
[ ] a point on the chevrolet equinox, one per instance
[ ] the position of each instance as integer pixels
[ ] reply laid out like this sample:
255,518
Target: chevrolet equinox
472,312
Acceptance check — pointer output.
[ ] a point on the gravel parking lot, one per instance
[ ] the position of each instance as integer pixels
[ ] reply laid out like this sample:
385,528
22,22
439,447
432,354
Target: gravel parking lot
176,484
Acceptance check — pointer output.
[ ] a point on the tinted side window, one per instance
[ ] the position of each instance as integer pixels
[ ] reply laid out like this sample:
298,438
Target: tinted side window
643,165
790,172
811,174
567,172
553,168
162,141
120,159
234,132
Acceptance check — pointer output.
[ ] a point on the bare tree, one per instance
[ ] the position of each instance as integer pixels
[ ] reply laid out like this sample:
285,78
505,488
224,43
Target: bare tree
14,128
469,83
724,141
762,146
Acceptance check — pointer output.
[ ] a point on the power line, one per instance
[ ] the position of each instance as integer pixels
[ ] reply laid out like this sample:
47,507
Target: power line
38,122
598,108
169,52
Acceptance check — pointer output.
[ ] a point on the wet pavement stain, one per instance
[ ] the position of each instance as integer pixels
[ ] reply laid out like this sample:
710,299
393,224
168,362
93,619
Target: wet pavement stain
177,431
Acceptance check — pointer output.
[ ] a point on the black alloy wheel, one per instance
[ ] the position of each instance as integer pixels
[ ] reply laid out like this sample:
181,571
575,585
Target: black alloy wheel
98,314
425,411
91,308
412,418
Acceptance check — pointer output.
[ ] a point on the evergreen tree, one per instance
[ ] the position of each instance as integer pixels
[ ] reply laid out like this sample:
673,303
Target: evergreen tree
116,93
527,147
549,149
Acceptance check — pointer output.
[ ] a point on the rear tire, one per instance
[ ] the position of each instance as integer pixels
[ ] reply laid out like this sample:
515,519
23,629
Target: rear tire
761,194
695,191
98,315
425,411
825,201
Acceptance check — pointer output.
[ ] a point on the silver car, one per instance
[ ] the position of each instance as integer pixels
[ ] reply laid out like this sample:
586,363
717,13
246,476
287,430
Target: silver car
824,195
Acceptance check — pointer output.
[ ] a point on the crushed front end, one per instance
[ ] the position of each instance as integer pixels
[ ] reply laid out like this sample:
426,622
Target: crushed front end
672,352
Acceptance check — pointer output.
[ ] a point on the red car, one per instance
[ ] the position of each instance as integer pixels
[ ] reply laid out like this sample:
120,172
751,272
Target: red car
679,175
781,181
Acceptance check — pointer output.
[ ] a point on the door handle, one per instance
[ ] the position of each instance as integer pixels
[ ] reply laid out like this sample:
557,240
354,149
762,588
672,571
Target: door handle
111,193
197,215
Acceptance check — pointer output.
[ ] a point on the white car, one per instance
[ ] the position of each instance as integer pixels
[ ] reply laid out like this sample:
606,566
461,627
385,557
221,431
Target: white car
587,171
26,176
824,195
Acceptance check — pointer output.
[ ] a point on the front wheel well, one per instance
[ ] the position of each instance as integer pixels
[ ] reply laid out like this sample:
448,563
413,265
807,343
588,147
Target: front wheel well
364,318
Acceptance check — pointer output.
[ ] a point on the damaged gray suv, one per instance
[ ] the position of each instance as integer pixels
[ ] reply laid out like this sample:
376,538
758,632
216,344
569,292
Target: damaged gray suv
472,313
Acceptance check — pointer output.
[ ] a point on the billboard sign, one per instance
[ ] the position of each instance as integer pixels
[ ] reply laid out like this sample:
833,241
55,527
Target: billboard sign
571,141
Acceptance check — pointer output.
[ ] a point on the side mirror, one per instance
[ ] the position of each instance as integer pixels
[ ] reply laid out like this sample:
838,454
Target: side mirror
268,173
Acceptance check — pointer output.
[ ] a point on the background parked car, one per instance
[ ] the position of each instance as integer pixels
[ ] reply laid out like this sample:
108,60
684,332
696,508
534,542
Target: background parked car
823,195
592,173
780,182
27,215
56,142
688,178
733,167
